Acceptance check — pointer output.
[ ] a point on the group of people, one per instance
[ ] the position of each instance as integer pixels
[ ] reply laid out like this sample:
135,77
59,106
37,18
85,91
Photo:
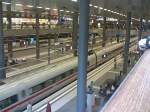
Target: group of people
106,92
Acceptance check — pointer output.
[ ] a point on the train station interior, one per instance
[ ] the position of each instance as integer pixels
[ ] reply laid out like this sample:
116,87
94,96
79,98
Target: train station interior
74,56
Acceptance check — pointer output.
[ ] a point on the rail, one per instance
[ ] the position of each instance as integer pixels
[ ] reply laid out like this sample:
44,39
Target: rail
133,93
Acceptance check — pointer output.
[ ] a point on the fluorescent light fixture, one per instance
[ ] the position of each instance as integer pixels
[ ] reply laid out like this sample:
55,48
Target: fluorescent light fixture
90,5
96,6
39,7
74,0
29,5
55,9
47,8
101,8
19,5
7,3
68,11
111,12
61,10
72,12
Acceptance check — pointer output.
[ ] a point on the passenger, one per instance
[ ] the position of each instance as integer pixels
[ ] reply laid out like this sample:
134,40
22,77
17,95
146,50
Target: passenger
6,60
129,62
115,64
102,97
62,50
29,108
112,88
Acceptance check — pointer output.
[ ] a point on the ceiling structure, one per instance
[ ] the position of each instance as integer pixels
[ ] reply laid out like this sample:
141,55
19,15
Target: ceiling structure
114,8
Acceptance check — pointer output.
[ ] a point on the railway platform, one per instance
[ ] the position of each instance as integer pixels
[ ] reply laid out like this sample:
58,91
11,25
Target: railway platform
110,75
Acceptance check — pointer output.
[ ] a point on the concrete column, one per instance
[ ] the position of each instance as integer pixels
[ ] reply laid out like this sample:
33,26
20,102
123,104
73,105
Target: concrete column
9,27
104,32
2,56
140,29
75,33
37,29
83,53
127,42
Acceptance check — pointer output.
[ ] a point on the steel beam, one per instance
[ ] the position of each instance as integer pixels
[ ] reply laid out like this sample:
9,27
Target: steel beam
2,56
127,42
83,53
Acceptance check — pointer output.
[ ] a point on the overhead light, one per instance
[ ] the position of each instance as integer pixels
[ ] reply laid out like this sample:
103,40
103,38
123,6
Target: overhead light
61,10
111,12
90,5
47,8
101,8
39,7
55,9
29,5
68,11
96,6
74,0
72,12
7,3
19,5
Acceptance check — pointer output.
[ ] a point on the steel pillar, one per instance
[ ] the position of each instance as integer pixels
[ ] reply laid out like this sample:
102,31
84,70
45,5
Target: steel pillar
104,32
2,56
83,53
49,47
146,24
37,29
75,33
140,29
9,26
127,43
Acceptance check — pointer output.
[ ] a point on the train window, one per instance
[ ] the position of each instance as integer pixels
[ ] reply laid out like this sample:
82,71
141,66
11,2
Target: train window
5,103
37,88
47,83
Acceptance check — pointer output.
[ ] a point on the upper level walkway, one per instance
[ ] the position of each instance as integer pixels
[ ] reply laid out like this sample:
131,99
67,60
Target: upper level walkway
133,95
42,32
